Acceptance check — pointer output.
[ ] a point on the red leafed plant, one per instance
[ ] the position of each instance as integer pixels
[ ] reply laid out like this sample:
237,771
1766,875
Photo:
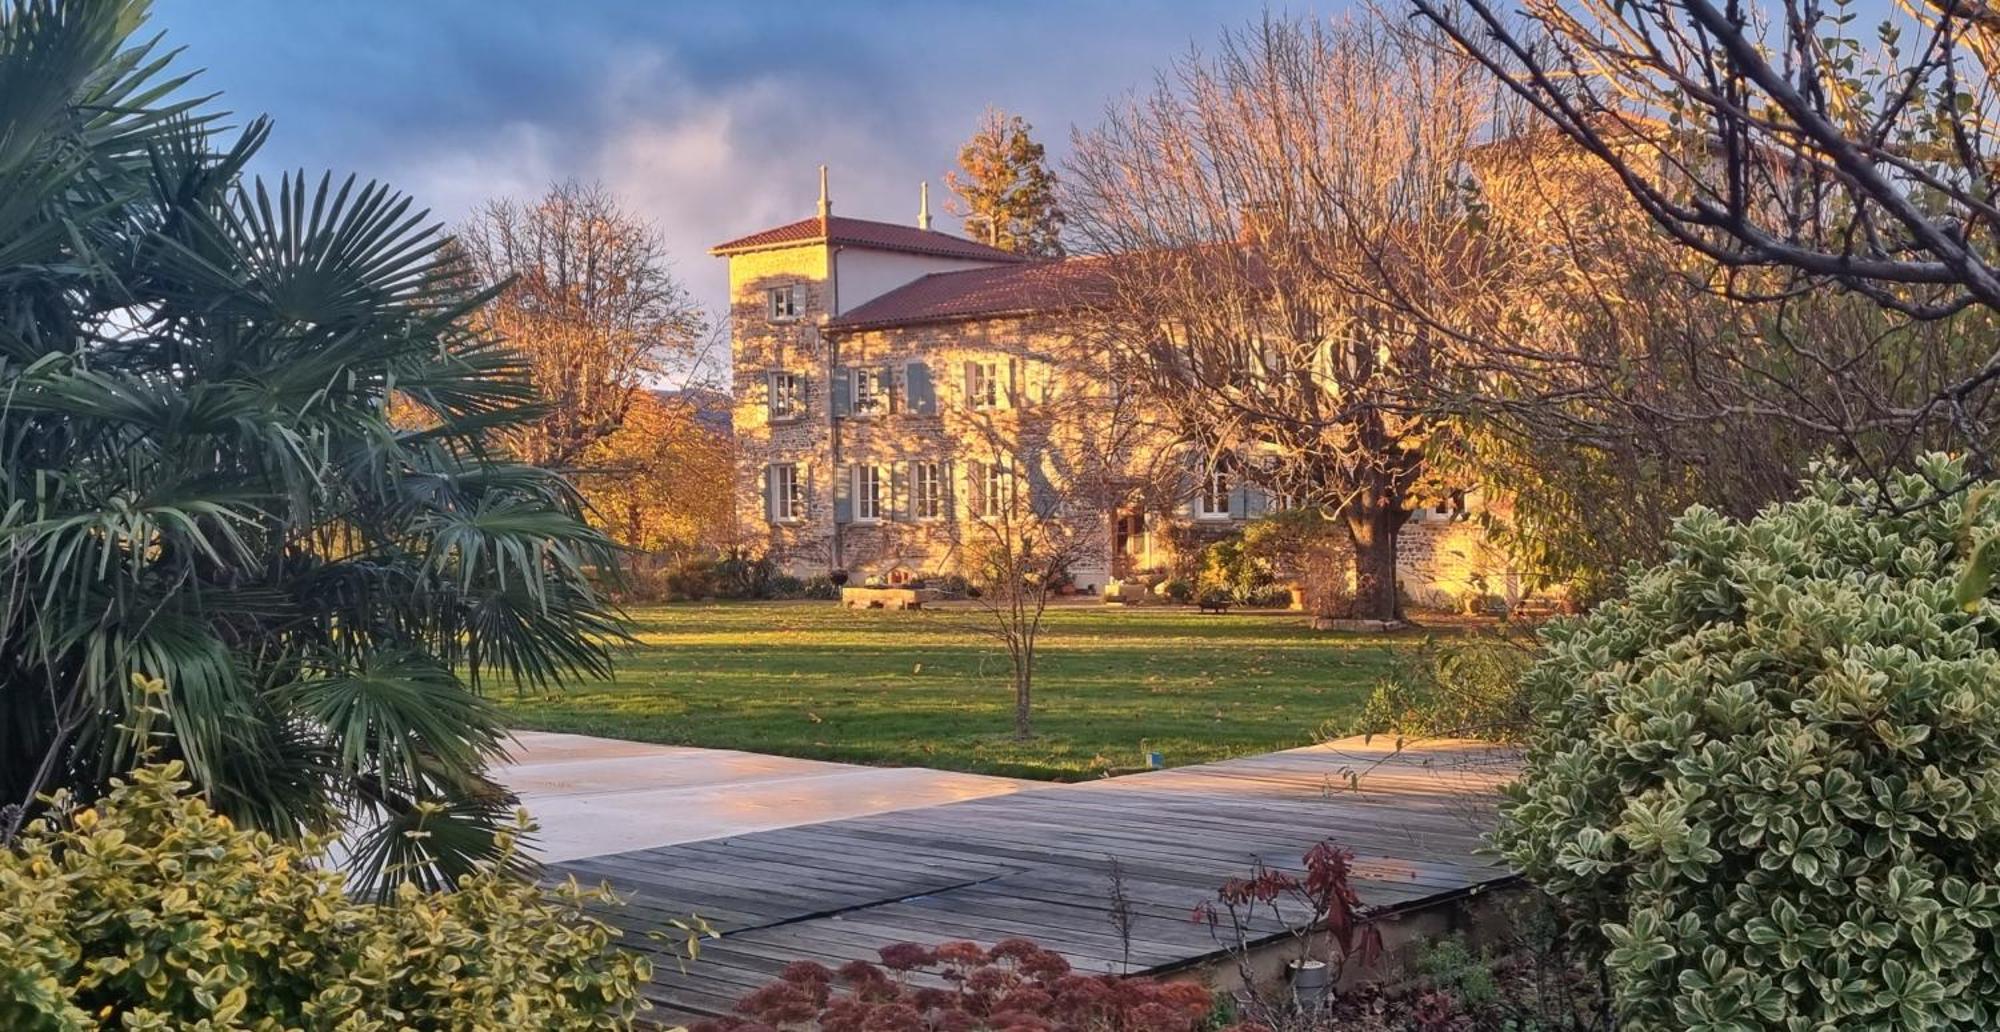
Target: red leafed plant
1320,910
1016,986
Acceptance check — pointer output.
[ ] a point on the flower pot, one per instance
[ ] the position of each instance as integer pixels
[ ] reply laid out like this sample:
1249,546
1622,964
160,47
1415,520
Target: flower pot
1310,982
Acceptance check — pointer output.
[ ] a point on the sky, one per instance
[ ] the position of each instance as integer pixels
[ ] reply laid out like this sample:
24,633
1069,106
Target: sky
708,119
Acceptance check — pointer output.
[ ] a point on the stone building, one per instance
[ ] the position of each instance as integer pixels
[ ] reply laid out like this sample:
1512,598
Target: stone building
898,390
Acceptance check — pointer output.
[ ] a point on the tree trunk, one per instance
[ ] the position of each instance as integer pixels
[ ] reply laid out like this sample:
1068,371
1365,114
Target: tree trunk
1372,527
1023,680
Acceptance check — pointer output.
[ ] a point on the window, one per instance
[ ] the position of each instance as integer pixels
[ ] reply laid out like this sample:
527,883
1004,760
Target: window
926,491
982,384
867,493
993,490
788,501
787,396
871,392
786,302
1213,501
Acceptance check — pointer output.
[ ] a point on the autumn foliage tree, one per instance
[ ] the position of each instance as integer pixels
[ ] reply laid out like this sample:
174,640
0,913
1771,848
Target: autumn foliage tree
1005,190
589,299
652,481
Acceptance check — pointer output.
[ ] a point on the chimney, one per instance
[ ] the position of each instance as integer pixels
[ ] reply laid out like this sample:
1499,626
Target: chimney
924,205
825,205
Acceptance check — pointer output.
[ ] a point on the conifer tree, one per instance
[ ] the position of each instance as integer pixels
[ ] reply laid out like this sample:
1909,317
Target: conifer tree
1005,190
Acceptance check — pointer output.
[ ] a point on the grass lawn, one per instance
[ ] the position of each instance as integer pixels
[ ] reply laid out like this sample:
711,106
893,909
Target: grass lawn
931,689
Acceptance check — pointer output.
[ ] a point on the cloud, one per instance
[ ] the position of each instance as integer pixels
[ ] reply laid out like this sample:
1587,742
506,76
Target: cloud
707,119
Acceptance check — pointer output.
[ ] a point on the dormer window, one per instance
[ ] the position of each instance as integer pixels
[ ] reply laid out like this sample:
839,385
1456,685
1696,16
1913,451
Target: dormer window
786,302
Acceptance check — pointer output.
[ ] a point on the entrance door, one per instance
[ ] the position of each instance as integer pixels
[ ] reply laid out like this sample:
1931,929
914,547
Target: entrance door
1131,544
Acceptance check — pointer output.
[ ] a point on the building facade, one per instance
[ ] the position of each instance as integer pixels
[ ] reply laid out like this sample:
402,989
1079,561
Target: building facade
899,391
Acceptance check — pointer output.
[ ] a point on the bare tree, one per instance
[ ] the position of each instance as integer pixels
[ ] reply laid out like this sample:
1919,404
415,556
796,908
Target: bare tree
1274,207
1782,146
589,298
1042,476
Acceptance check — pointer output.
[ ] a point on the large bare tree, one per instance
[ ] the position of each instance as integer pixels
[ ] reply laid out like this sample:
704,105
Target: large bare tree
1274,207
1796,148
590,300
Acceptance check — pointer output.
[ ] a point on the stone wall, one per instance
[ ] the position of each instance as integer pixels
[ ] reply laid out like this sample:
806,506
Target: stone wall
1054,422
1444,560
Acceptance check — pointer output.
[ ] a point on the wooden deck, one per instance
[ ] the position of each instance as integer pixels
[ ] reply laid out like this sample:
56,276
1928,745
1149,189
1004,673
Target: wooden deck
1037,864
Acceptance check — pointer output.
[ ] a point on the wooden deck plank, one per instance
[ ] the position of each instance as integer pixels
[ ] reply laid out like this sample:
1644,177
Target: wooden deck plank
1038,864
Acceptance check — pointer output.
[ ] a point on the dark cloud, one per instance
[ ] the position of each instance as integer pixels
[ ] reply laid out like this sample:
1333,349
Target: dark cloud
708,119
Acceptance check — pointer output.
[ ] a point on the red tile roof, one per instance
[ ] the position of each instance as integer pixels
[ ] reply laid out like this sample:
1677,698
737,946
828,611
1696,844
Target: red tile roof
881,236
1005,290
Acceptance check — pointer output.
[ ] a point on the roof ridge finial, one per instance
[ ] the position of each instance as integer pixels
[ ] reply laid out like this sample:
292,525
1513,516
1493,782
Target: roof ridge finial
825,202
924,205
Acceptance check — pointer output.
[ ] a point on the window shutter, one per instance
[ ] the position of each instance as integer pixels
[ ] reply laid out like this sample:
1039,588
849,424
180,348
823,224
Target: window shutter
1041,492
972,393
899,491
1239,501
843,391
885,381
770,494
918,393
843,494
975,488
1010,396
949,489
1256,501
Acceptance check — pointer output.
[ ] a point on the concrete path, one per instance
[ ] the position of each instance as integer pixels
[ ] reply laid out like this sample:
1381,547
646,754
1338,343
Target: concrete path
593,796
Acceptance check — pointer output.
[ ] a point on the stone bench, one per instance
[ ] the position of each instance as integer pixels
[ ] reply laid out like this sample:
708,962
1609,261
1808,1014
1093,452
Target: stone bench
886,598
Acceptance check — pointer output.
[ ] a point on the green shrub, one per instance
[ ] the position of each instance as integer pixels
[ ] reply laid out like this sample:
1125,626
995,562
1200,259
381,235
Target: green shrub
1769,775
151,911
1231,570
1459,687
740,575
689,579
820,587
1448,965
786,586
1178,589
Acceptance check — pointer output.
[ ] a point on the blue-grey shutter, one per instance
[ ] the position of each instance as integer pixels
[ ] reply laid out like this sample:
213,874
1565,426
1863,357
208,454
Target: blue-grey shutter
1257,501
885,382
971,382
1041,491
918,394
770,495
843,494
975,488
899,491
770,399
1010,392
1239,501
949,488
843,393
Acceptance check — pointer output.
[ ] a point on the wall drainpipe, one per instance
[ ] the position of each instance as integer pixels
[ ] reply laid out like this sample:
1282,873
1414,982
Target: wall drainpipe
838,559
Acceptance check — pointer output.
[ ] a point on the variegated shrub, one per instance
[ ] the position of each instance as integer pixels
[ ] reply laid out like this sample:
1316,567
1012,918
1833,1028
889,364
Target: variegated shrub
1769,775
152,911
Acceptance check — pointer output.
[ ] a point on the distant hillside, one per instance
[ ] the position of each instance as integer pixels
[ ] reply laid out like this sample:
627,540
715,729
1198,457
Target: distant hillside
710,406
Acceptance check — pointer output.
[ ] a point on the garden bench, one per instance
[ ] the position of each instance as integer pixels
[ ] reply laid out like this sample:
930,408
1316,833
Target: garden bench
1213,605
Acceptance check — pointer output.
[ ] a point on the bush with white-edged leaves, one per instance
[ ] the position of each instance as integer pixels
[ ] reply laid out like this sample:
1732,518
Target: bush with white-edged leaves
1768,776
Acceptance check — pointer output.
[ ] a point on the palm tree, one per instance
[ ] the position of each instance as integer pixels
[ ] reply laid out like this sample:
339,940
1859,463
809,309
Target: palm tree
251,514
